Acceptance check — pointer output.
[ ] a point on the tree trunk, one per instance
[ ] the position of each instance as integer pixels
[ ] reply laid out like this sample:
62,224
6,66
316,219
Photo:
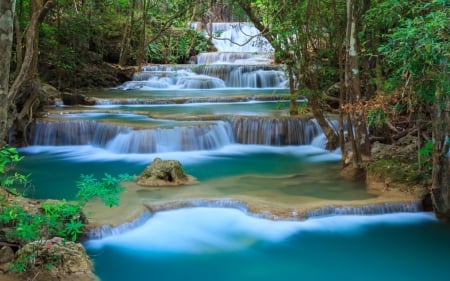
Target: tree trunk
141,57
18,34
359,137
126,39
20,102
440,191
6,39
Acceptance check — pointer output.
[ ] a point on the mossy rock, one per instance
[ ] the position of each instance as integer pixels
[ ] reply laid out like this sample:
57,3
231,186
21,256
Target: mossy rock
164,173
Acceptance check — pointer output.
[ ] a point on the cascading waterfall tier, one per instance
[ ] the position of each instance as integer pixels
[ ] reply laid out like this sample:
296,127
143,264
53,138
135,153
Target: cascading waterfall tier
121,139
215,76
80,132
274,131
235,37
244,59
206,136
329,210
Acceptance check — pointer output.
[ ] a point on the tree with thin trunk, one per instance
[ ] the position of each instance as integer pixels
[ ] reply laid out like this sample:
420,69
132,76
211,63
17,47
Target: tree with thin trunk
299,32
357,129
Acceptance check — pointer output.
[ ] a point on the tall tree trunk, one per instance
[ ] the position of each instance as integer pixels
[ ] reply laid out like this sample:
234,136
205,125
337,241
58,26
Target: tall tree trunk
142,51
20,103
440,192
359,137
126,39
19,38
6,39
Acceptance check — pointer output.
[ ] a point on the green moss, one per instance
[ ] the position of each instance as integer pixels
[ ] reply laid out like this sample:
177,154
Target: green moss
398,171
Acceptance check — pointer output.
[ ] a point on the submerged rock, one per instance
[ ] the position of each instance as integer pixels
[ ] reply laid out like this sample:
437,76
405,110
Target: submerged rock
164,173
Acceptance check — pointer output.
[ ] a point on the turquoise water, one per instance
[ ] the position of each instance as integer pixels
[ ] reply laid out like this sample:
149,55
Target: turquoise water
184,93
223,244
226,244
54,170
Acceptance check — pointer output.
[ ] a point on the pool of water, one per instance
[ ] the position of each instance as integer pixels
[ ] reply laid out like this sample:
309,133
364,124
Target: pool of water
185,110
54,170
228,244
225,244
183,93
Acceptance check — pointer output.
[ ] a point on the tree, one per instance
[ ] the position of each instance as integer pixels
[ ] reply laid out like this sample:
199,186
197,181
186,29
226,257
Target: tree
17,105
418,52
302,35
357,130
6,39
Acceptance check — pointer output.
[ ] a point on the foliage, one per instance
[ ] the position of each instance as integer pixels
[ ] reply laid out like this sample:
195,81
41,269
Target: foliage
30,222
106,188
177,46
9,157
398,171
376,118
419,49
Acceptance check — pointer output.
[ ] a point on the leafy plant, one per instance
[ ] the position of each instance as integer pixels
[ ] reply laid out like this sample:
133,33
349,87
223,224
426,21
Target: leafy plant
73,229
9,157
376,118
52,218
106,188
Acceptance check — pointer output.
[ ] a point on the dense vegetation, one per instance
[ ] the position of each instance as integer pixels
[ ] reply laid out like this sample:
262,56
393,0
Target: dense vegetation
23,221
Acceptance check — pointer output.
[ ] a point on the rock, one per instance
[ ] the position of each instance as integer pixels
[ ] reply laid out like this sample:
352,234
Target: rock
76,99
6,254
164,173
405,148
51,93
4,268
68,260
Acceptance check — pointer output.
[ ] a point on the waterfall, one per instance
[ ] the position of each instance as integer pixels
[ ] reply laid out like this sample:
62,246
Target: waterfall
243,60
205,76
121,139
207,136
73,133
376,209
234,58
235,37
188,138
330,210
108,230
274,131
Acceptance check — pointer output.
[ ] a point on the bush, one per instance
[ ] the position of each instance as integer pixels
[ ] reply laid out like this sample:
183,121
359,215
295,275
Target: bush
26,220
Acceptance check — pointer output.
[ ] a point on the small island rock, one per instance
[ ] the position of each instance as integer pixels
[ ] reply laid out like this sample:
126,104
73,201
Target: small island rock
164,173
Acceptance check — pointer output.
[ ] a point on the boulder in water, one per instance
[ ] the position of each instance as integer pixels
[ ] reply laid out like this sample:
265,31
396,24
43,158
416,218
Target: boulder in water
164,173
77,99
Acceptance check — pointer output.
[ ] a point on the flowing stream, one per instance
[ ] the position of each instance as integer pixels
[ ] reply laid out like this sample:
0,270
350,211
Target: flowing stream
269,204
